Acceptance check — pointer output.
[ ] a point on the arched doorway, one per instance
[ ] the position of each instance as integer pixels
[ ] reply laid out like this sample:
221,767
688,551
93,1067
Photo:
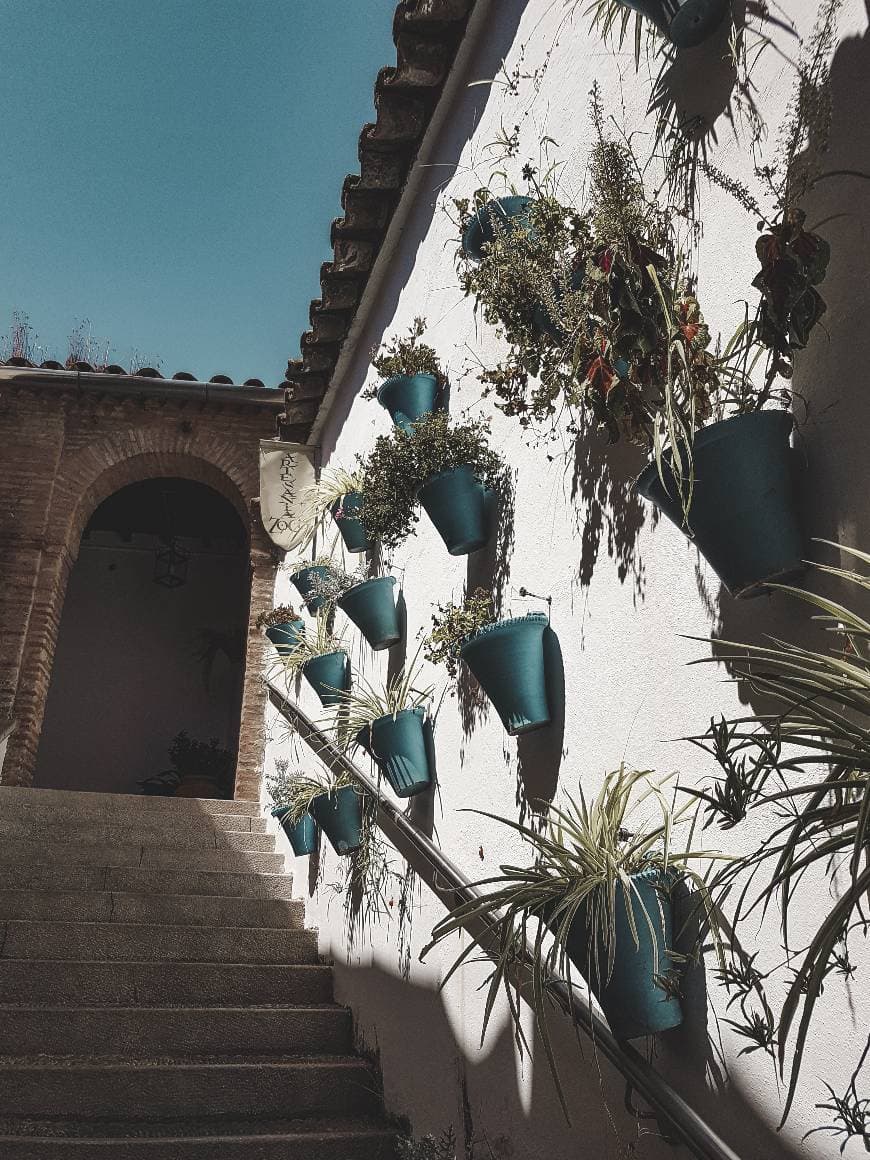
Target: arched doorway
151,640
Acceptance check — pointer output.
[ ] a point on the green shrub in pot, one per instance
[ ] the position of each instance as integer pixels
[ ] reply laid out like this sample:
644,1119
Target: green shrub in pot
447,467
414,382
304,575
322,659
283,626
595,898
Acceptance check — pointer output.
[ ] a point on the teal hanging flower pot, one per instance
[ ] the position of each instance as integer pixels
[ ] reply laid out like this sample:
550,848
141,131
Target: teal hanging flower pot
372,609
686,23
409,397
302,834
346,513
339,815
633,1001
398,744
326,674
510,212
507,659
285,637
304,583
743,516
455,502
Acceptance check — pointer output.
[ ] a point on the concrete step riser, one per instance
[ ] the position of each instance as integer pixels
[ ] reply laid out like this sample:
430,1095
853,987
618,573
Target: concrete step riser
62,801
368,1146
105,984
194,838
27,820
174,1032
121,942
143,880
174,910
309,1088
237,861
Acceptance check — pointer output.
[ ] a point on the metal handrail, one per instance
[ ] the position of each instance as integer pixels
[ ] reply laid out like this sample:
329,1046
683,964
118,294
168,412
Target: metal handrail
451,886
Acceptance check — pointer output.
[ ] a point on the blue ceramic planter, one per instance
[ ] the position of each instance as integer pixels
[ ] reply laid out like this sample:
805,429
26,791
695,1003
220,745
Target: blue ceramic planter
743,516
455,503
327,673
372,609
302,834
635,1005
511,212
285,637
303,581
508,661
350,525
686,23
409,397
339,815
398,745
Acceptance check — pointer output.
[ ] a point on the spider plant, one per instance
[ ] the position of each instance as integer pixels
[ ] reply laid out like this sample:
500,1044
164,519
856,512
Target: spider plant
293,792
580,904
820,819
317,501
323,640
368,702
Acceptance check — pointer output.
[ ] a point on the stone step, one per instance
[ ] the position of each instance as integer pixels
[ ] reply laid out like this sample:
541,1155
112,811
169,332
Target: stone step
94,854
212,1085
258,1139
149,984
135,836
167,1031
166,909
66,801
60,875
140,942
30,818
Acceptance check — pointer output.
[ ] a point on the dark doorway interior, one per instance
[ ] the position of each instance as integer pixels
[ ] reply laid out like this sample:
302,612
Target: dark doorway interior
151,639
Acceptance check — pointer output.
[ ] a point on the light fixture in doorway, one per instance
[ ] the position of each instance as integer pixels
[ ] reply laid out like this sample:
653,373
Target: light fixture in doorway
170,562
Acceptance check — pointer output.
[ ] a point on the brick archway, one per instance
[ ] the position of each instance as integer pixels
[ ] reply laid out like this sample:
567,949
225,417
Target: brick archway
82,481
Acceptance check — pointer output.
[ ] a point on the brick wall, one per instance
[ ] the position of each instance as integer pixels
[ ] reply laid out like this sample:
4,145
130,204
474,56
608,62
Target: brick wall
61,454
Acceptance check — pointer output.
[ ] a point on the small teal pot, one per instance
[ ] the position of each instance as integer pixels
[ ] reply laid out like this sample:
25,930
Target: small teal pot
349,523
326,674
409,397
285,637
744,515
398,745
339,815
635,1005
686,23
303,581
455,502
507,659
511,212
372,609
302,834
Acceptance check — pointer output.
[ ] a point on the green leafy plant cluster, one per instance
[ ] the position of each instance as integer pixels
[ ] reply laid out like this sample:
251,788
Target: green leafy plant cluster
452,625
281,614
402,461
336,582
406,356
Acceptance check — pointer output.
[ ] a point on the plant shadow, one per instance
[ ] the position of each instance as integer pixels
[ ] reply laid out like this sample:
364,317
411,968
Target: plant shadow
540,753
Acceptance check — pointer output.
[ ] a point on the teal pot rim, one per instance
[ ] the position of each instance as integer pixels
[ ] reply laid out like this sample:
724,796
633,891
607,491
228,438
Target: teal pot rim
366,730
333,652
279,812
538,617
396,380
474,236
449,471
365,584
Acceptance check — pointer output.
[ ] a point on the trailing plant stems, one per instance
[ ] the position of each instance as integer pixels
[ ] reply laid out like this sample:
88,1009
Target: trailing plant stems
452,887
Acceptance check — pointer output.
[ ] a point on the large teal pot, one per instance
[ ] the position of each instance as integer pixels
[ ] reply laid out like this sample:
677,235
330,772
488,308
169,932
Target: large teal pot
327,673
302,834
285,637
743,516
409,397
346,513
303,580
339,815
508,661
455,503
372,609
686,23
633,1002
398,745
511,212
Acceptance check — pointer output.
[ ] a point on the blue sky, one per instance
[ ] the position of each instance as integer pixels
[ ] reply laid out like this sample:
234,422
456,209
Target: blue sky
170,170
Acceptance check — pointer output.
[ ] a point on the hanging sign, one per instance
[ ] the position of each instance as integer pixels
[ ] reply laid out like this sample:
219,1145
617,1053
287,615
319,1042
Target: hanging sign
286,470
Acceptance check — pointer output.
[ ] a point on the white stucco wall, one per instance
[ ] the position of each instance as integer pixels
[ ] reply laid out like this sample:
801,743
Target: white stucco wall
622,615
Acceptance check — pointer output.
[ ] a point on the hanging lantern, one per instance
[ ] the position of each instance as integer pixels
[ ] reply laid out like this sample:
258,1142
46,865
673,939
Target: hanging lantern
170,565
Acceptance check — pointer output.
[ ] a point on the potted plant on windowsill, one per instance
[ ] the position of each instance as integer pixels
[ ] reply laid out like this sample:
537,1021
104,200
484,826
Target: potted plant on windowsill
414,383
304,575
596,899
391,723
204,768
506,657
283,626
322,660
448,468
368,602
291,795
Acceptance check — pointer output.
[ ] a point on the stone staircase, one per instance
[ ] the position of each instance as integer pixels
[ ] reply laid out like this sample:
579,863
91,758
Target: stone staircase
160,998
